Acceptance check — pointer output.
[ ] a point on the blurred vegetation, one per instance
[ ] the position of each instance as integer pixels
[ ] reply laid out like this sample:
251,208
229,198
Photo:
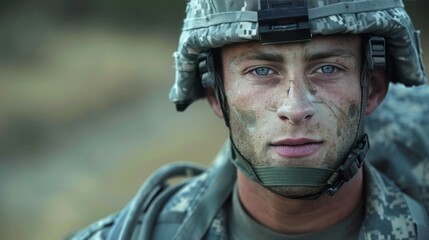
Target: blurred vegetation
37,32
84,113
130,12
25,24
83,87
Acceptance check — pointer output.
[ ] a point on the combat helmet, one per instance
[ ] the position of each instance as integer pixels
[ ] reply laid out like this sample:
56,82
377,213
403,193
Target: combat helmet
211,24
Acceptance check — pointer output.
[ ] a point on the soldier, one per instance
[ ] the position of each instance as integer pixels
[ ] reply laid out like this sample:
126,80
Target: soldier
294,82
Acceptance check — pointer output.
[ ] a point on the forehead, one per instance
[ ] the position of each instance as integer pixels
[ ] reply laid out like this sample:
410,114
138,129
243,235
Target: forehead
340,43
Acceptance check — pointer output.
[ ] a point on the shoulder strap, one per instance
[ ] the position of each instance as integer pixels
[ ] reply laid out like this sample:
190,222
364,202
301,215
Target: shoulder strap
149,193
221,185
96,230
420,218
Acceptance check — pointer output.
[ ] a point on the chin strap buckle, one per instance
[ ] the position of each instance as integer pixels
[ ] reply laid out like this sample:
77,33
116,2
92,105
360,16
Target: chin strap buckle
349,167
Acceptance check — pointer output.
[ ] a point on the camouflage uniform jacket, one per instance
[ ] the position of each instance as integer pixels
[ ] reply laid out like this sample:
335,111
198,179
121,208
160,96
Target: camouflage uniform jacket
196,210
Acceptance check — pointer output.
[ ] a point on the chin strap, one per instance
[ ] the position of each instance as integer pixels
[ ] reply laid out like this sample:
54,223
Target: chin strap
329,179
273,176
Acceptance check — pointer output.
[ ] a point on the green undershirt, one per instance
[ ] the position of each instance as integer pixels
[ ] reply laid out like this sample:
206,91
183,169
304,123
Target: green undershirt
243,227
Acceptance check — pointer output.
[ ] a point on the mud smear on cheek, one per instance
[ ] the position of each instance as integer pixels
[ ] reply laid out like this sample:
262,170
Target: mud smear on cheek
312,89
247,119
335,111
271,108
353,112
346,120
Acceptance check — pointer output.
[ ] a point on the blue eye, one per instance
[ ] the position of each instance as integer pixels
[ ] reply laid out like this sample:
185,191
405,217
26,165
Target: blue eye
328,69
262,71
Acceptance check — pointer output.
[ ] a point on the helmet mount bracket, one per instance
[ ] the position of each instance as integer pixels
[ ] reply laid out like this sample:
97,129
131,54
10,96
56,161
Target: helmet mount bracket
283,21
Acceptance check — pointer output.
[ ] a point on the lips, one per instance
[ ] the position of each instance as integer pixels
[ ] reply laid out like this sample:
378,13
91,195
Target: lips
296,147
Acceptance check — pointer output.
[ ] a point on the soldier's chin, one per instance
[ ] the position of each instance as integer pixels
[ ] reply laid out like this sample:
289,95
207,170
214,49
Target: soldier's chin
298,192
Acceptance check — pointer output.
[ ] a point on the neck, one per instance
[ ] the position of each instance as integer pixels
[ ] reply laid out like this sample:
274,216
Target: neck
293,216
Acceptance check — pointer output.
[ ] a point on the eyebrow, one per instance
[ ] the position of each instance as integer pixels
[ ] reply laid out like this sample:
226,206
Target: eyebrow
336,52
308,56
258,55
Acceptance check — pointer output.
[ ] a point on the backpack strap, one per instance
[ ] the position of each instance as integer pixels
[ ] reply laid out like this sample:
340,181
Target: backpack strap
154,189
200,220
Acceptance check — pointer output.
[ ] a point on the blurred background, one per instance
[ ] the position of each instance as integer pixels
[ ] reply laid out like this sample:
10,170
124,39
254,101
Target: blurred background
84,112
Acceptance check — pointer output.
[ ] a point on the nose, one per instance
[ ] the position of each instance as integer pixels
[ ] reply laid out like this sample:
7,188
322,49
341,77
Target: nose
297,106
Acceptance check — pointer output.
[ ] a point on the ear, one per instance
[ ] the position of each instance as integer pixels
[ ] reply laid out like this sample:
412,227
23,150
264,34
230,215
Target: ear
377,91
213,101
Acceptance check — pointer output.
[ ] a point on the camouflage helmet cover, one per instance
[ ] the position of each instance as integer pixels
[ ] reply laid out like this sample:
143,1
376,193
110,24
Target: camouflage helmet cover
214,23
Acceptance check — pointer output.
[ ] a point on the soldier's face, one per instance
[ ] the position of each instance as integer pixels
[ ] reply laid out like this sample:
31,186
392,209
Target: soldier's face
294,104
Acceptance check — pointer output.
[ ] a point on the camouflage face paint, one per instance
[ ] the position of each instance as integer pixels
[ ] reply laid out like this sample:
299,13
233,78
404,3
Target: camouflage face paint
247,119
353,111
